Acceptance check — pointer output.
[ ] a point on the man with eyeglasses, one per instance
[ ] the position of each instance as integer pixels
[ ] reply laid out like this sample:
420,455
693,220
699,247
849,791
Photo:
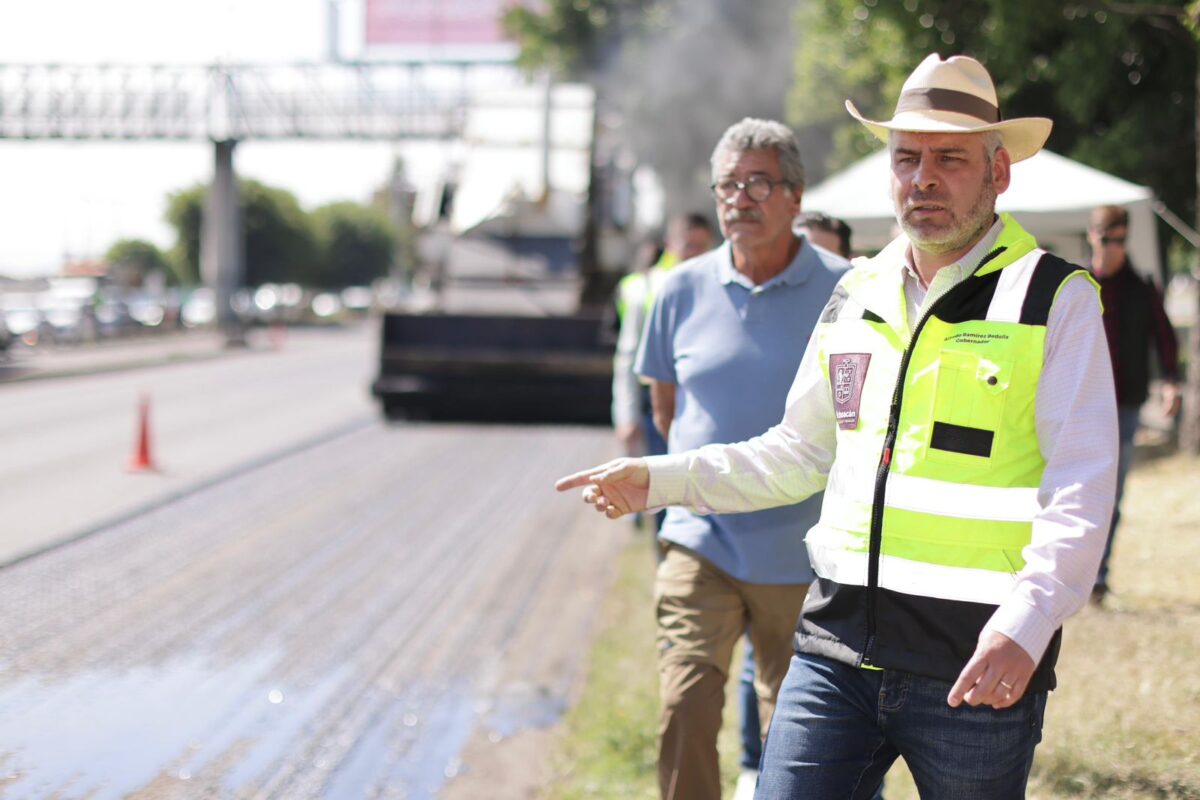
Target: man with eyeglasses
1134,321
720,348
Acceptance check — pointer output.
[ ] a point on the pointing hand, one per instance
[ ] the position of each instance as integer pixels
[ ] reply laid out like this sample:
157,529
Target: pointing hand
614,489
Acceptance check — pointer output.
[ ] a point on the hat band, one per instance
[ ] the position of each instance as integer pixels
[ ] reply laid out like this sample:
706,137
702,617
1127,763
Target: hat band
948,100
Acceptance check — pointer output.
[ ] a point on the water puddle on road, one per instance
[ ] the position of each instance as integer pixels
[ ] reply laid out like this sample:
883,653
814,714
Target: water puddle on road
106,734
191,727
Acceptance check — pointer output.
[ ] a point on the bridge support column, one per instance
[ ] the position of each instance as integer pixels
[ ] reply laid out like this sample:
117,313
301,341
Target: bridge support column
222,245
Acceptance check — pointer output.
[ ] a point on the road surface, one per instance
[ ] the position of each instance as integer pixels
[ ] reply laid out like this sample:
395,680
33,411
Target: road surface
305,604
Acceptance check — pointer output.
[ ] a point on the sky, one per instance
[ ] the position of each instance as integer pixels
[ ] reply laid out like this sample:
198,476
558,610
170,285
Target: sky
72,200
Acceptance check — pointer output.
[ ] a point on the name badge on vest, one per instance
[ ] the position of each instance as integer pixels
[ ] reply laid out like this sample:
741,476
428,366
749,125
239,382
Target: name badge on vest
848,373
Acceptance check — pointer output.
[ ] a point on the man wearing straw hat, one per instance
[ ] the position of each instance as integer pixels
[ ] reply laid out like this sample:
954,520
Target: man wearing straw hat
956,405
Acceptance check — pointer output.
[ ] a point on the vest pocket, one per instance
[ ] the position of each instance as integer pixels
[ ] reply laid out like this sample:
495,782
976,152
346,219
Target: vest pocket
968,406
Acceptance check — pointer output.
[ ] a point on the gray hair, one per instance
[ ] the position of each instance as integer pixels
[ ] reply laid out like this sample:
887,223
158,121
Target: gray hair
992,141
762,134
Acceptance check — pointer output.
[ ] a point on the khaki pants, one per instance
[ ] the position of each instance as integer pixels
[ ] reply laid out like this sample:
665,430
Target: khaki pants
702,612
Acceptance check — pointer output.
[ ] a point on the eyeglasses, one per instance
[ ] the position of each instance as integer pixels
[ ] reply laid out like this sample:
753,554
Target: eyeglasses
1107,240
757,187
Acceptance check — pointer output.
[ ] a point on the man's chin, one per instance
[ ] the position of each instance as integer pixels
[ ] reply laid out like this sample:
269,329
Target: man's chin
930,241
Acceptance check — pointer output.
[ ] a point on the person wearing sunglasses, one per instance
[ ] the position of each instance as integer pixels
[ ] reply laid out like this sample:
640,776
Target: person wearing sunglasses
1134,323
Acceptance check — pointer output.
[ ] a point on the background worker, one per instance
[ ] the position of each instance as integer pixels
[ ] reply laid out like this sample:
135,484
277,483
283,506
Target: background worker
825,231
1134,323
688,235
724,338
956,406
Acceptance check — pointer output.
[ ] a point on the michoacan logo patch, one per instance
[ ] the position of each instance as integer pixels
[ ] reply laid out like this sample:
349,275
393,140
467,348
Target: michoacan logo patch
847,374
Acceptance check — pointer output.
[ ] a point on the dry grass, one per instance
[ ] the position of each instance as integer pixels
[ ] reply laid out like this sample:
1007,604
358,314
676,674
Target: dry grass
1126,721
1124,724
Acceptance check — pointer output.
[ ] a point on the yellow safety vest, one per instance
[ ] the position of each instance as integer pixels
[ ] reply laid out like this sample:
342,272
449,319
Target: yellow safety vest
641,287
933,490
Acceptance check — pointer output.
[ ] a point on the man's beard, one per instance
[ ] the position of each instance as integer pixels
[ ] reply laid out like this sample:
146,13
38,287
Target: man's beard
962,231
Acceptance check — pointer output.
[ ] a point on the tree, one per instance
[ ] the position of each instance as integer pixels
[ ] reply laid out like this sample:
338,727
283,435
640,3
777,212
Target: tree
576,40
132,260
355,244
280,242
1120,86
185,213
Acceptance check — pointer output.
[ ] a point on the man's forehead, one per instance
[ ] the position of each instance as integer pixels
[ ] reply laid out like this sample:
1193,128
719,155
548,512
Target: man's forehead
911,140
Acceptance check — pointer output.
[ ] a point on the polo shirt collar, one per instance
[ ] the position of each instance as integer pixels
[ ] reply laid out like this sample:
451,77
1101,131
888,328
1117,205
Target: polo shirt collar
797,272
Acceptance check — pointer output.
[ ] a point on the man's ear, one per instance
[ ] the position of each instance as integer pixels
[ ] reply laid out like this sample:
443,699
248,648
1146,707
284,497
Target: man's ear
1001,170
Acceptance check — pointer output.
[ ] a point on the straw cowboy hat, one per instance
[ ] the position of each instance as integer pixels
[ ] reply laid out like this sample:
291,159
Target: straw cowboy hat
957,96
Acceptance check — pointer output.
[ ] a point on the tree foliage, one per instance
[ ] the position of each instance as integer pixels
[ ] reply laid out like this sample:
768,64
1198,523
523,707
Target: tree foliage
281,244
356,244
185,213
338,245
575,39
135,259
1118,79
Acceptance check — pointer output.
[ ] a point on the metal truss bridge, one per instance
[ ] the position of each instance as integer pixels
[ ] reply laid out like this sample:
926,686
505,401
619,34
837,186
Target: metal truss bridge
225,102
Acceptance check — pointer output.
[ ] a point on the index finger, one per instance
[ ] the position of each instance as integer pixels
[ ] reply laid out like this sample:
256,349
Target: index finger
966,679
578,479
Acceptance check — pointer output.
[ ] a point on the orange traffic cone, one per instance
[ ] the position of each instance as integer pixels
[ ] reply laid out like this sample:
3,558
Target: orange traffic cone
141,461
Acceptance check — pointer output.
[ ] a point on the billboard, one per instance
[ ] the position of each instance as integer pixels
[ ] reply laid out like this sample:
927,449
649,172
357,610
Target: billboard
435,23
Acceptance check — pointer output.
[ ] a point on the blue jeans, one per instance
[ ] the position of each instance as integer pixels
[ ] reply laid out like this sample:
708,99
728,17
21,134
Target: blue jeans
837,729
751,732
1127,425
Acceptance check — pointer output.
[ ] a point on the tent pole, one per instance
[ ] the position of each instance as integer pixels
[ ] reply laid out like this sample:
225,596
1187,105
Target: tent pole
1178,225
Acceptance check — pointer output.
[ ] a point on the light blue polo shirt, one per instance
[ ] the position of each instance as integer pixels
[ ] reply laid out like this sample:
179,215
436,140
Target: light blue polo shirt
732,349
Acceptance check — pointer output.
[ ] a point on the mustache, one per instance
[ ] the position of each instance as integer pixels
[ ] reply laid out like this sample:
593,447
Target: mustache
743,215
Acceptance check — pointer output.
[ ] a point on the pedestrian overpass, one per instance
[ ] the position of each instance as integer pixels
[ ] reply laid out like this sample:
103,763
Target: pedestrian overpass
229,103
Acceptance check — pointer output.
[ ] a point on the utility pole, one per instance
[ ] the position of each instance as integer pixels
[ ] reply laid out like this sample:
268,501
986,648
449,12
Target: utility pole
222,244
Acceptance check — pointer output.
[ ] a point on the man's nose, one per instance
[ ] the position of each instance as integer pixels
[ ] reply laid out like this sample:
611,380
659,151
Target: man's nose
741,198
924,177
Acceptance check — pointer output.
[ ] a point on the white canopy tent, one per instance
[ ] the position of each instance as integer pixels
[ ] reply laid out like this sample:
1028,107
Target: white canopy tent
1051,196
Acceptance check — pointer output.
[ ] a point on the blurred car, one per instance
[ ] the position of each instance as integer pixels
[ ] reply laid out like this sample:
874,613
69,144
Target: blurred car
199,309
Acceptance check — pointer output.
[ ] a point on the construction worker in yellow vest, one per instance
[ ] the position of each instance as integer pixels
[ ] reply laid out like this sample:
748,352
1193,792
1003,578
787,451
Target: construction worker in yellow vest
688,235
957,407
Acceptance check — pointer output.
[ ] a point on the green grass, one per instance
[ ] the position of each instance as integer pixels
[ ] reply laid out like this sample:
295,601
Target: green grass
610,749
1123,725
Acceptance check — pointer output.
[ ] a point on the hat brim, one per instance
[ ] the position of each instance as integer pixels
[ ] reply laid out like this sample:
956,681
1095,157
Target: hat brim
1022,136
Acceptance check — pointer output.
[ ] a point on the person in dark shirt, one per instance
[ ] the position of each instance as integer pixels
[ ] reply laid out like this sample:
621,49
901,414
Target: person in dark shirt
1134,321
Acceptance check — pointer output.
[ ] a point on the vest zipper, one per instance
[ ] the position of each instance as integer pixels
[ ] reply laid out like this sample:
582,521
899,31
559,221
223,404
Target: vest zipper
875,544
